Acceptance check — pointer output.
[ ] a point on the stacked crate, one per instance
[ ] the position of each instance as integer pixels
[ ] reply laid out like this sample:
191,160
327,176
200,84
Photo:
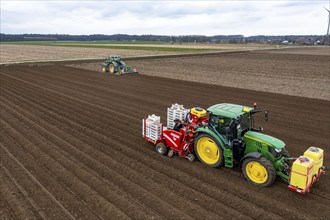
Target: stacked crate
175,112
152,129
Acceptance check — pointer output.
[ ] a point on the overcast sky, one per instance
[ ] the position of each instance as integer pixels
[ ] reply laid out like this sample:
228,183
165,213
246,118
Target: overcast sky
165,17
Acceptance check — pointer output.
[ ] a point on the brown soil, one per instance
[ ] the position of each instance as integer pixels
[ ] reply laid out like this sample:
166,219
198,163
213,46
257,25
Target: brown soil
307,50
71,147
296,75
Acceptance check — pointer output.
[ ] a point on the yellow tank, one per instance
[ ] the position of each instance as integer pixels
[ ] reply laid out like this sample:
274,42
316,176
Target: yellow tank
317,155
199,112
302,172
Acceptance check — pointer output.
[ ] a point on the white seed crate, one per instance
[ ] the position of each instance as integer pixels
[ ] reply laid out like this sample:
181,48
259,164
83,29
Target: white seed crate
152,127
175,112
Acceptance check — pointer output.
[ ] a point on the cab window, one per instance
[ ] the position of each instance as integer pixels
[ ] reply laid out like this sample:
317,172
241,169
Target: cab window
220,123
245,122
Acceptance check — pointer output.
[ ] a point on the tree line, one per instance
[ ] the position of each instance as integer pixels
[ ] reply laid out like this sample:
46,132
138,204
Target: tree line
234,39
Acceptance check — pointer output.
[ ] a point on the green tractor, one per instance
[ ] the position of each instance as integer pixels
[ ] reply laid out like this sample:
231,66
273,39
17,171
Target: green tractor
228,136
230,139
115,65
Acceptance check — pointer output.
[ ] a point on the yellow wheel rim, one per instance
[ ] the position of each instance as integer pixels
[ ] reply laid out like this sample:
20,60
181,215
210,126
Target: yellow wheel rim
256,172
103,69
111,69
208,150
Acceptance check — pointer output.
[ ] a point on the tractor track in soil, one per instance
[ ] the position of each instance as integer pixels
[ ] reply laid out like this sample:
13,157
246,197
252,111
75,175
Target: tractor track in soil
75,137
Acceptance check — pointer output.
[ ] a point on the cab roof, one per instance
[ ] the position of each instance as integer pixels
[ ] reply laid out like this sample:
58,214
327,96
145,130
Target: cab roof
229,110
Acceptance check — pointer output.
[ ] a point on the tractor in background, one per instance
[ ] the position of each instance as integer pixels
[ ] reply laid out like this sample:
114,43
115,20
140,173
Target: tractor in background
228,137
115,65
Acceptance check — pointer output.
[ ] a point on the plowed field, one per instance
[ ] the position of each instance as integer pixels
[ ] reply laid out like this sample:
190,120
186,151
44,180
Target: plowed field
303,75
71,148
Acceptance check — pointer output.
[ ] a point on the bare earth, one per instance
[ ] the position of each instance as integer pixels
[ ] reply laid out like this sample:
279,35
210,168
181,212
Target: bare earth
308,50
301,75
71,144
71,148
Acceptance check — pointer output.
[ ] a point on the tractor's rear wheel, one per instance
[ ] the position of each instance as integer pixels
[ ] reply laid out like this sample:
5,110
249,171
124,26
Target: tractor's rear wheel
161,148
259,171
208,151
111,68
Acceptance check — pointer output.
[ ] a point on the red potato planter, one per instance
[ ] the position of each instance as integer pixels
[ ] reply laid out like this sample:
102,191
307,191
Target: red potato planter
179,139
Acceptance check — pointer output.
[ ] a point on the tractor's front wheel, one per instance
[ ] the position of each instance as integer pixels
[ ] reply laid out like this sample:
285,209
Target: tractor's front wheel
259,171
208,151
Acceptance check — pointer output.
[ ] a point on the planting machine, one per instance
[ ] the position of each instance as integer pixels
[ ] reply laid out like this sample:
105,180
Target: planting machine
115,65
228,136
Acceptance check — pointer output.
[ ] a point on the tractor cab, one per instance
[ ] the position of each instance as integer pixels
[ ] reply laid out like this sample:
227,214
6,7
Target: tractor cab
230,121
233,121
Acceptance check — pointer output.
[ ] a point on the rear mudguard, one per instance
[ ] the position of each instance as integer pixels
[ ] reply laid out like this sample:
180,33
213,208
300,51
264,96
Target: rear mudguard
226,150
252,154
206,130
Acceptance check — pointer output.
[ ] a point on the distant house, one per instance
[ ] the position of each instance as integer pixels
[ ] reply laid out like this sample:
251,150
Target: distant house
285,42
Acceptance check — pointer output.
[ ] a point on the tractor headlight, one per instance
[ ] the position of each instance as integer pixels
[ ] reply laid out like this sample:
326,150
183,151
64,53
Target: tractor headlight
278,150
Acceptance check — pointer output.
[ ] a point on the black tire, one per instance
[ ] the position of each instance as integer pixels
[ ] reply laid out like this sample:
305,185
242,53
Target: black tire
161,148
251,177
217,155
